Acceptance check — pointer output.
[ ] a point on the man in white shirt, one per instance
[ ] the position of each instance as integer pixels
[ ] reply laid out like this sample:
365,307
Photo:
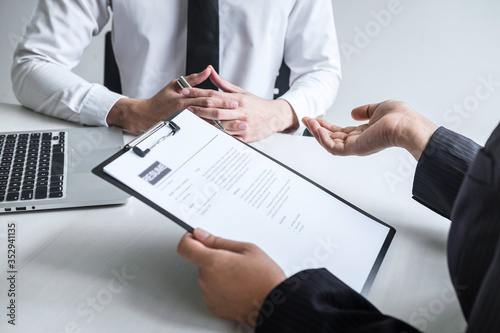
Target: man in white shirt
149,40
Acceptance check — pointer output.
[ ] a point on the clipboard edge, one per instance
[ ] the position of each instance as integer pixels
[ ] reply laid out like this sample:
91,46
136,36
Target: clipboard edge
99,171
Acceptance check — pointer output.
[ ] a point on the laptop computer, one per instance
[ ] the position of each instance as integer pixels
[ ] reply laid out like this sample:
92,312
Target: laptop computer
51,169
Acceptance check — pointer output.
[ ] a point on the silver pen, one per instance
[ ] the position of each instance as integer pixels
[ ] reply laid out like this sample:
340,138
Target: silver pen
184,84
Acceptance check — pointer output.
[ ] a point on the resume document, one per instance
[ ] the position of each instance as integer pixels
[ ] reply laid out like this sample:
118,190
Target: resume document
208,179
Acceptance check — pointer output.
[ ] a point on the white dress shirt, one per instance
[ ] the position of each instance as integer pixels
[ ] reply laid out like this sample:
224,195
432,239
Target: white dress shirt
149,40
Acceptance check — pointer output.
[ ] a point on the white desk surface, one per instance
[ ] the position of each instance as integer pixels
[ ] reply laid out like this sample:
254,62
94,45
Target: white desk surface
66,258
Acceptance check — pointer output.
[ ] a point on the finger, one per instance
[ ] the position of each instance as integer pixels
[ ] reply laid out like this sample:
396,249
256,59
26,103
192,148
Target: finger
235,127
210,98
349,130
337,143
194,251
205,93
354,143
339,149
314,127
197,78
211,103
325,139
305,120
333,128
229,128
311,124
222,84
308,123
338,136
364,112
322,123
218,243
215,114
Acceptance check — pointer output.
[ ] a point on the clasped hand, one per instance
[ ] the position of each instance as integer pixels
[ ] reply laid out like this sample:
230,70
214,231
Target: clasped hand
242,114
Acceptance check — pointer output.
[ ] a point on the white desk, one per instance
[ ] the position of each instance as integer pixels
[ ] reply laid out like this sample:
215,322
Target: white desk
66,258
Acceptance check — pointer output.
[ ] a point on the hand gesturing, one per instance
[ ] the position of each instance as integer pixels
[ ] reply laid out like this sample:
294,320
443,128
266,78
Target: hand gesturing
391,124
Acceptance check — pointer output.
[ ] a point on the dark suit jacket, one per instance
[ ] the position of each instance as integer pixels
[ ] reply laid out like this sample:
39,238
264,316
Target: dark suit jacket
455,178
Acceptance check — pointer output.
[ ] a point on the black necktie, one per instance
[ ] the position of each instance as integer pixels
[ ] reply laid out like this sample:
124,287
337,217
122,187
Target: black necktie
202,38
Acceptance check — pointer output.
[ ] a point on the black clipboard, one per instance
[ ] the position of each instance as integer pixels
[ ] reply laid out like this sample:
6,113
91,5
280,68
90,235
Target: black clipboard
99,171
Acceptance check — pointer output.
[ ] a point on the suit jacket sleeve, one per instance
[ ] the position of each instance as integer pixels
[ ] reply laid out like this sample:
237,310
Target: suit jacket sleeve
317,301
441,170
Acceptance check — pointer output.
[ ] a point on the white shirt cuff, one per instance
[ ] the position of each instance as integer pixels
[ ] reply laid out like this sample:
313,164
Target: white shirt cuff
301,109
97,104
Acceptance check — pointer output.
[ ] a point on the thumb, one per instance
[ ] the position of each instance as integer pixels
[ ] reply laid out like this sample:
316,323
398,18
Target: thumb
221,83
364,112
197,78
194,251
218,243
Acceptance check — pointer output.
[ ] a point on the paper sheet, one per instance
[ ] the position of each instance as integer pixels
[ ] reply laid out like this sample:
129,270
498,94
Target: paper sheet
208,179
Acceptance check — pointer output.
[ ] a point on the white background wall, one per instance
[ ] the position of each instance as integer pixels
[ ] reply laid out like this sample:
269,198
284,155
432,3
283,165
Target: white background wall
430,53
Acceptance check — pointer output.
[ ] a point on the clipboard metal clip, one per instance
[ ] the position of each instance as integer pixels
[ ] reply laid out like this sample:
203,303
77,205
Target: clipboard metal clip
139,152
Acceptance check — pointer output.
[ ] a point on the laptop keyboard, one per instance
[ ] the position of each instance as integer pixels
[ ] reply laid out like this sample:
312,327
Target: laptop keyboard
32,166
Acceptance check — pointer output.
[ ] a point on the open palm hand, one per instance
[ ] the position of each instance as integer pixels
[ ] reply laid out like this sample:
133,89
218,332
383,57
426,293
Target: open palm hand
390,124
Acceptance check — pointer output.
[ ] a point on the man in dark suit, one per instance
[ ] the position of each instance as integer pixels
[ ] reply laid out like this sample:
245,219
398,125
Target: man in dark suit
455,177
